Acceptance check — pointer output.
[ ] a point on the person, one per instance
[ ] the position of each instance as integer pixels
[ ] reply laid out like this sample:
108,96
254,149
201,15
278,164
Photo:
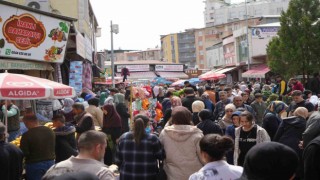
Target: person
187,84
230,96
213,149
110,99
221,87
112,128
296,84
238,102
207,102
312,128
91,146
272,117
13,114
211,93
311,98
84,120
259,107
236,90
247,136
125,73
189,98
166,103
181,145
226,120
197,106
290,133
270,160
67,110
298,101
95,111
138,152
175,101
219,110
315,84
11,158
311,156
230,130
122,110
66,145
246,98
38,147
281,87
206,125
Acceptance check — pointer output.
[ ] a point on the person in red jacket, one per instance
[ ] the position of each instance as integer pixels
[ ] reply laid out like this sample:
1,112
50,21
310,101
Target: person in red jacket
296,85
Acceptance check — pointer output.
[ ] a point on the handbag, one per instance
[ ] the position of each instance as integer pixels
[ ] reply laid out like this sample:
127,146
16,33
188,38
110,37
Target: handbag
161,174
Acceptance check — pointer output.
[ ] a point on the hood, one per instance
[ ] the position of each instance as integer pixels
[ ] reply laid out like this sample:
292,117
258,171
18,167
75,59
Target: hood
295,121
181,132
65,130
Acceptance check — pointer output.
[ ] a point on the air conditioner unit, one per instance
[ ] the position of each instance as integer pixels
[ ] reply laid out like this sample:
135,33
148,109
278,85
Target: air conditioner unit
43,5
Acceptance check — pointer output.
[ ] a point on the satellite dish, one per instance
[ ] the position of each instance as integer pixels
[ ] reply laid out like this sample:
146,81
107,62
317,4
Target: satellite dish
34,5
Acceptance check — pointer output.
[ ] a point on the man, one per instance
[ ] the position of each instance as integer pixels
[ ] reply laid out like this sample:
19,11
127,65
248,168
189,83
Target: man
246,98
13,114
66,144
212,95
84,121
92,145
259,106
238,102
219,109
220,88
11,158
281,87
229,93
38,147
298,101
187,84
189,98
110,99
296,85
311,156
166,103
95,111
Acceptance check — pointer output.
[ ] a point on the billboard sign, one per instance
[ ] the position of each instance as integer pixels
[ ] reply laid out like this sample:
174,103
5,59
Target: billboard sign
169,68
264,32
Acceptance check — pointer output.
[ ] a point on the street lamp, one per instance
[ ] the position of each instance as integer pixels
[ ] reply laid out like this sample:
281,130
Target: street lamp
114,29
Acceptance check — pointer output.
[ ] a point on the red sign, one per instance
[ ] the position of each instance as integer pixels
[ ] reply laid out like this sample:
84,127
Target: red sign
24,31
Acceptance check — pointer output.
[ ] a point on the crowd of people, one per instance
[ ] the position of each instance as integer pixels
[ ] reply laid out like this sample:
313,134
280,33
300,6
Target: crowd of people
210,131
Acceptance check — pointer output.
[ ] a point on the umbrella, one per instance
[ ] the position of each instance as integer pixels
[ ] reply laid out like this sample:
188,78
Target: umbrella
178,83
211,76
160,80
194,81
19,86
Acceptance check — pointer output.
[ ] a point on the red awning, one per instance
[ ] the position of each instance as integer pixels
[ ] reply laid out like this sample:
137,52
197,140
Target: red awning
257,71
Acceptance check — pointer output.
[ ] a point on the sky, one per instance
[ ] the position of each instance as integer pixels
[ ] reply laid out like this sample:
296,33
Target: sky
141,22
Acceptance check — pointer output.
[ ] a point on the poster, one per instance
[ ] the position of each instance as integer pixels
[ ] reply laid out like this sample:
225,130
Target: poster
75,75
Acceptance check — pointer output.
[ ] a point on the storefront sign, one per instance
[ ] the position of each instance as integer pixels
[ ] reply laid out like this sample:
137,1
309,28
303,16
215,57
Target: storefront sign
75,76
25,65
132,68
169,67
28,35
264,32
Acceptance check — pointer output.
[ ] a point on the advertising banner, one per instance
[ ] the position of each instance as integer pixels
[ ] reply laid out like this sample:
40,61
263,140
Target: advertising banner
28,35
169,67
75,76
132,68
264,32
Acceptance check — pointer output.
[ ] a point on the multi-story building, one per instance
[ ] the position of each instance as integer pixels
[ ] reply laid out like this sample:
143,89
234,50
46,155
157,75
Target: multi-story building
169,48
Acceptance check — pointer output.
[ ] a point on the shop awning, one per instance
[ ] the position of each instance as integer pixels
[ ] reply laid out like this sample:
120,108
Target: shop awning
24,65
257,71
225,70
180,75
140,75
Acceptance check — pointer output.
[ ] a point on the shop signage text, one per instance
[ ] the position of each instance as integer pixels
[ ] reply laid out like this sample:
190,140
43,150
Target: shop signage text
132,68
169,67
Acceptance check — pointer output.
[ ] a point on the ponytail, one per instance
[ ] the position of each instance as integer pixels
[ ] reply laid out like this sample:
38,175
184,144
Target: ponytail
138,130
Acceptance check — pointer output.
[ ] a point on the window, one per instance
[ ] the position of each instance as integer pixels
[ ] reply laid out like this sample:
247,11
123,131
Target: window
200,33
172,38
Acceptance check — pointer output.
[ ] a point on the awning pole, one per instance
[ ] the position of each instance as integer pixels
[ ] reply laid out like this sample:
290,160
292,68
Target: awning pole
6,119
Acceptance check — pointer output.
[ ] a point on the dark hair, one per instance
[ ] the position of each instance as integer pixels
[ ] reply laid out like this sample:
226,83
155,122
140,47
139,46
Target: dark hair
189,90
227,89
30,117
244,93
306,92
186,82
181,116
296,93
83,95
59,117
143,117
258,95
78,105
168,94
94,101
208,87
216,146
248,115
138,130
205,114
236,86
91,138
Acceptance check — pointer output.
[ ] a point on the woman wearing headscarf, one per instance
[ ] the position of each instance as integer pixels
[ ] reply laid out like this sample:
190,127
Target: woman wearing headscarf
181,144
102,98
272,117
112,127
67,110
226,119
175,101
290,131
122,110
197,106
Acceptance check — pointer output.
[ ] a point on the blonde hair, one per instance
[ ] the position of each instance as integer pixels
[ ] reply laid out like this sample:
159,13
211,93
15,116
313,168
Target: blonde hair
230,106
197,106
301,112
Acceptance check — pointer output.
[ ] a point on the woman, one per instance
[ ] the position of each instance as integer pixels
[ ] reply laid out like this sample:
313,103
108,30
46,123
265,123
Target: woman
112,127
122,111
197,106
175,101
138,152
213,149
226,120
67,110
95,111
272,118
181,144
230,130
206,125
246,136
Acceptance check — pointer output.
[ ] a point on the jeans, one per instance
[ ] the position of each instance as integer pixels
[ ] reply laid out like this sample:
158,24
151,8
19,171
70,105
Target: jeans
13,135
35,171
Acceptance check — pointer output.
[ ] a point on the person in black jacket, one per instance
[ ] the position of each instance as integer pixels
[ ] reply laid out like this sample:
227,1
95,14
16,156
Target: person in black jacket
189,98
66,145
311,156
206,123
122,110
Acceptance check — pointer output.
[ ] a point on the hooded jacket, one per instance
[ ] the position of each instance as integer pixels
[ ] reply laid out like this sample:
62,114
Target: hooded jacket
66,145
181,144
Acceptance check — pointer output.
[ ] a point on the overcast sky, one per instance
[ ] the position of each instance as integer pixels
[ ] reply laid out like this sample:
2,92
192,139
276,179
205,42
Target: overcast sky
141,22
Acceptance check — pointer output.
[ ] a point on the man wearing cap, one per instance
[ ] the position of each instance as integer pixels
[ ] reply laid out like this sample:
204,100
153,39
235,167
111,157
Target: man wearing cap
187,84
11,158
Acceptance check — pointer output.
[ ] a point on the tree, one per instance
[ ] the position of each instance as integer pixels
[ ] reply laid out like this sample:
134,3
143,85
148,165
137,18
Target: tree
296,49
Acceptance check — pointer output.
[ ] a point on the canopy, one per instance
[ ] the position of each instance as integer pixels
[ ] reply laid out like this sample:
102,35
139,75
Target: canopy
19,86
211,75
194,81
160,80
178,83
258,71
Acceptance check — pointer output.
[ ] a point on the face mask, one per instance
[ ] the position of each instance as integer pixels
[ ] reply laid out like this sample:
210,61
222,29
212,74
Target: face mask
148,130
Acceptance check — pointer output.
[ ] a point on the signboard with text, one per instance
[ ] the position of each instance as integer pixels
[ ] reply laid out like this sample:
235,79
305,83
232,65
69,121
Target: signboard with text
75,75
169,67
132,68
28,35
264,32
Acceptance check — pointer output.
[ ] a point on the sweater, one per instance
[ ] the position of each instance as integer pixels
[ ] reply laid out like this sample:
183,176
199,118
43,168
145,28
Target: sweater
97,115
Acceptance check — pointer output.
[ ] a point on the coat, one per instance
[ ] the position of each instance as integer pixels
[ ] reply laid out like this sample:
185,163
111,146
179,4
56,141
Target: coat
259,109
262,136
312,128
66,145
181,144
